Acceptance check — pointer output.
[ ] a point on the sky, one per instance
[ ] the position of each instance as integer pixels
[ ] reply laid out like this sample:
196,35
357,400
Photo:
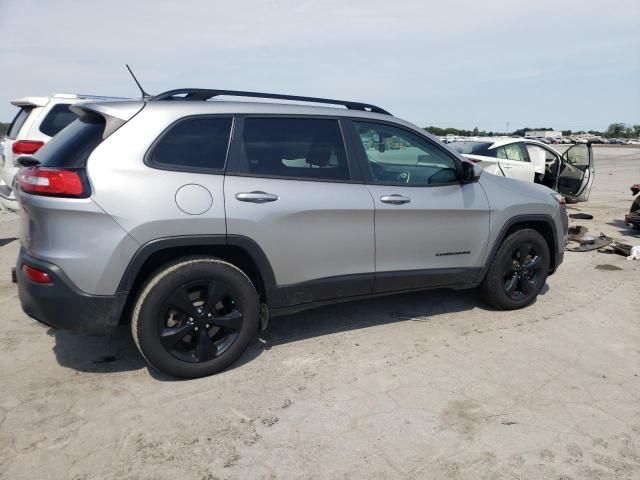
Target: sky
493,64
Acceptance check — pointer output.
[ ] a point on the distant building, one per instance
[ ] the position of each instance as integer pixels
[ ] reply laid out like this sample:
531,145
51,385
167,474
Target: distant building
543,133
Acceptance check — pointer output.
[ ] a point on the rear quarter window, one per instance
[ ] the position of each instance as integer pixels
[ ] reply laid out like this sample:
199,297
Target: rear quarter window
73,144
193,144
18,122
56,119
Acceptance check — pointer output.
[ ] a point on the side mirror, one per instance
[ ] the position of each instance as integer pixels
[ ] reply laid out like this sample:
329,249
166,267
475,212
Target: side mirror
470,172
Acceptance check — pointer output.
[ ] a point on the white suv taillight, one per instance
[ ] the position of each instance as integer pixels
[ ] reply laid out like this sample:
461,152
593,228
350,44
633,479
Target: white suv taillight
26,147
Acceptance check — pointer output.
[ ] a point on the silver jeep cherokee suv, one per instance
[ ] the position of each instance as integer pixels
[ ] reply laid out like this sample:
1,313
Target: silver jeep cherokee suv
197,219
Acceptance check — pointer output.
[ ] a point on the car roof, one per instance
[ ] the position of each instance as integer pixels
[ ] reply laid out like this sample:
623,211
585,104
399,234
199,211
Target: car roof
196,107
499,142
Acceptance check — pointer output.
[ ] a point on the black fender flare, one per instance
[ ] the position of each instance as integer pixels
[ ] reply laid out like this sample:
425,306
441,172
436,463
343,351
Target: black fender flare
547,219
252,249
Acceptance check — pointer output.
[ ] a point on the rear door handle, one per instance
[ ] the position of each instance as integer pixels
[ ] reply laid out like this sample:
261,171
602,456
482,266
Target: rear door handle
394,199
256,197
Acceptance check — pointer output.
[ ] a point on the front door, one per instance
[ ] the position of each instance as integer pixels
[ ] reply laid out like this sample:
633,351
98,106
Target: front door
291,191
430,230
576,173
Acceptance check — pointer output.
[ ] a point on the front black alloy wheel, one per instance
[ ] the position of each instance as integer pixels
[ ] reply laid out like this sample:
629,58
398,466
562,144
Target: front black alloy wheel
522,272
195,317
518,271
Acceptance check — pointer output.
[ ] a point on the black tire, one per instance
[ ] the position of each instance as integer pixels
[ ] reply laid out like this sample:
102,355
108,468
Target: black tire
518,271
180,325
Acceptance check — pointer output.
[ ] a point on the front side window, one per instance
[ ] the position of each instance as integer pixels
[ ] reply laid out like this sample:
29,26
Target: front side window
303,148
396,156
195,143
58,117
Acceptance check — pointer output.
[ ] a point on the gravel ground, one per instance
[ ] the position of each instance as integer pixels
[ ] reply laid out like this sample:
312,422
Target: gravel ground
427,385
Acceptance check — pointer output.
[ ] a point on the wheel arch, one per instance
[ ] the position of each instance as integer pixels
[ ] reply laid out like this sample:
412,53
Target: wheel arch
543,224
240,251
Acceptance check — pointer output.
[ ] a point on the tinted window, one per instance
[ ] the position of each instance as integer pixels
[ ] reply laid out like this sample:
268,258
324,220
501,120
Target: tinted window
294,147
18,121
474,148
398,156
73,145
195,143
58,117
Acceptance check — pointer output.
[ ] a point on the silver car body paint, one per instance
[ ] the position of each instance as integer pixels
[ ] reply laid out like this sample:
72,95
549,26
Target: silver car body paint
315,229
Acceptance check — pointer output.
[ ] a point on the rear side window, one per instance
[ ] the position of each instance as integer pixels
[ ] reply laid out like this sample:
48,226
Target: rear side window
303,148
58,117
198,143
18,122
73,145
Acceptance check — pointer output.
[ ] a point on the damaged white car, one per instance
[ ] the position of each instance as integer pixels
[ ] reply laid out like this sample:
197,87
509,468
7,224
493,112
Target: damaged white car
570,173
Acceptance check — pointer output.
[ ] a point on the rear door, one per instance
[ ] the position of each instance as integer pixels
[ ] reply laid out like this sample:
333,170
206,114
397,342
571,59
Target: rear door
292,190
430,229
576,172
517,163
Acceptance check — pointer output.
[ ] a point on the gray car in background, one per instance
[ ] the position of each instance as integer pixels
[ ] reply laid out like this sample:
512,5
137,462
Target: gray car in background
195,219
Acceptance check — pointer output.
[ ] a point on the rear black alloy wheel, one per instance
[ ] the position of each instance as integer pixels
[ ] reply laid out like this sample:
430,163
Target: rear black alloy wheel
195,317
518,271
200,321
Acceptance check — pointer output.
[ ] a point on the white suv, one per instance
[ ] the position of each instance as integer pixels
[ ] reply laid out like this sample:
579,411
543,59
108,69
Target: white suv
38,119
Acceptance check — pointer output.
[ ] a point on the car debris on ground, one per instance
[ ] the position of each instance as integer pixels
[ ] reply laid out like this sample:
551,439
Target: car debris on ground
585,243
579,241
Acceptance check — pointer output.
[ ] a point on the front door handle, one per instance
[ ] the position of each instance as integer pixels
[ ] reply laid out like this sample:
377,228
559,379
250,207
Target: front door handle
394,199
256,197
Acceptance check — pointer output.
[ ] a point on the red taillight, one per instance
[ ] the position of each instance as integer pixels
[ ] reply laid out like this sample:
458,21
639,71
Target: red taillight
36,275
26,147
48,181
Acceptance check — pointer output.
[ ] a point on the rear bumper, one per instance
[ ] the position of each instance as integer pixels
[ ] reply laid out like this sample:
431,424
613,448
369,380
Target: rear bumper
62,305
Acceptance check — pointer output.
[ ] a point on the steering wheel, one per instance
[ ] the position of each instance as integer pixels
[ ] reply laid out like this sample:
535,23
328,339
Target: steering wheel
404,177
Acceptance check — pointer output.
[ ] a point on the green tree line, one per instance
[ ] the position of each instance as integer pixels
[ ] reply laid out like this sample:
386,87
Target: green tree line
615,130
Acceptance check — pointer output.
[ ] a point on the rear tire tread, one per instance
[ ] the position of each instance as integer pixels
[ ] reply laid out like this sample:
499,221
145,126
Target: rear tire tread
158,277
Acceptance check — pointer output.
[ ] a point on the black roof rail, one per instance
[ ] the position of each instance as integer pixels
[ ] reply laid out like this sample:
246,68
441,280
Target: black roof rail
205,94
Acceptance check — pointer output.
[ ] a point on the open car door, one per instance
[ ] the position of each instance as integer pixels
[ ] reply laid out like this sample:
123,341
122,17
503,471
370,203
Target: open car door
576,173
